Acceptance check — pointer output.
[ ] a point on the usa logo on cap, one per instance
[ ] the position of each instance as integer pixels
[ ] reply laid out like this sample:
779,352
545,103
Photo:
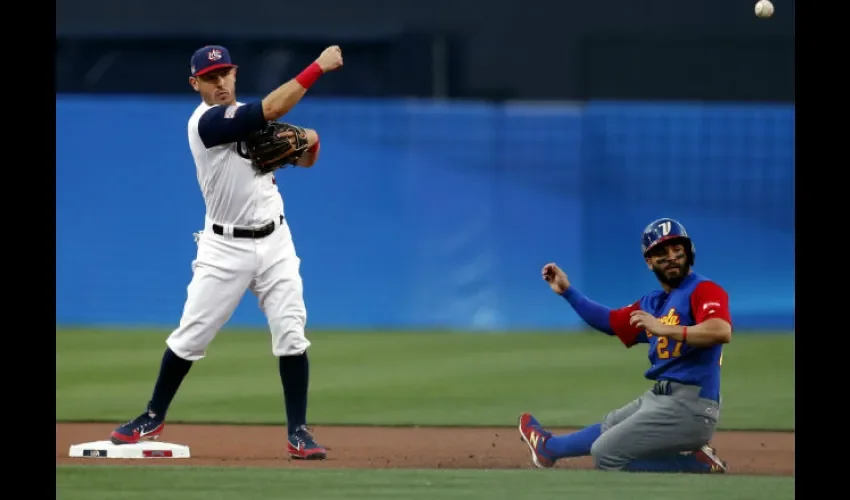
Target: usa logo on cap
209,58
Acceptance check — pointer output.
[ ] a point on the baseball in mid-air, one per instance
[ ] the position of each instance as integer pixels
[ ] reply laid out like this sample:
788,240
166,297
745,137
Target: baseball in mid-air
764,8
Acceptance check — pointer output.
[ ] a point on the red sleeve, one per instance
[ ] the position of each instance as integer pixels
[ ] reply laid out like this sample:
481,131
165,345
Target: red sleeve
622,328
709,300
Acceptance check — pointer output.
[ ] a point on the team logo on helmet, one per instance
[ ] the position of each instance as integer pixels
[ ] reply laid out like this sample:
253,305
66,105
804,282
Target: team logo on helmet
661,230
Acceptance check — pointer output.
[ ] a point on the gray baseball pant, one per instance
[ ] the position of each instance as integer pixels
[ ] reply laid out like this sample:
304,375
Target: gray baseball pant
669,418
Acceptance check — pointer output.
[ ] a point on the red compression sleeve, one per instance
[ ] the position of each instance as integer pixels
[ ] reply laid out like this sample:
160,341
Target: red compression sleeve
309,76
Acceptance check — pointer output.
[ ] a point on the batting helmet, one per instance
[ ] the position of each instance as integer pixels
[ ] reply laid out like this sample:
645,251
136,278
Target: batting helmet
662,230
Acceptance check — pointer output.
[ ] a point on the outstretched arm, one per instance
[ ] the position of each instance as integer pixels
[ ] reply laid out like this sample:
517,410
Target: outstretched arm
602,318
223,125
612,322
285,97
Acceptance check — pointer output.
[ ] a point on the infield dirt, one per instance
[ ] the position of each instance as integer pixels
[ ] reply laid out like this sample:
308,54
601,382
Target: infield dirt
753,453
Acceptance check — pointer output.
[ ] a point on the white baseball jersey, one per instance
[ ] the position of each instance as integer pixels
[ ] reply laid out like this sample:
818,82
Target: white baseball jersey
233,192
226,265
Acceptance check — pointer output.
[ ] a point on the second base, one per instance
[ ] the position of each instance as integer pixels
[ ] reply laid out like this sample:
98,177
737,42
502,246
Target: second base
145,449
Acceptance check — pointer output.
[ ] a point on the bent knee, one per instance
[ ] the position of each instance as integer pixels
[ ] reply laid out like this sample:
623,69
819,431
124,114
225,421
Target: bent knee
605,457
290,345
186,349
191,339
290,349
288,337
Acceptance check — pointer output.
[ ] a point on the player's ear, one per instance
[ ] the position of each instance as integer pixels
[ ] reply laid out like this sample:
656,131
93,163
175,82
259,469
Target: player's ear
649,263
193,82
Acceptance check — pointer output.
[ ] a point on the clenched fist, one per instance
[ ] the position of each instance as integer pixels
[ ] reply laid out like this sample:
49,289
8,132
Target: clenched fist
556,278
330,58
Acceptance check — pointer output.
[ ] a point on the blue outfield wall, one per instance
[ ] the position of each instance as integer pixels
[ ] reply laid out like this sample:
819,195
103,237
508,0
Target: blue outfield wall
437,215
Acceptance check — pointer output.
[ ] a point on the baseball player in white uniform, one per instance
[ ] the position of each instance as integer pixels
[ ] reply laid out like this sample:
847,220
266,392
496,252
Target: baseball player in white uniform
245,244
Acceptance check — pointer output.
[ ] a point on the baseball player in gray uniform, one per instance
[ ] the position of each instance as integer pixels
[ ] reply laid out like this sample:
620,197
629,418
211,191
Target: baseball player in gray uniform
245,243
685,323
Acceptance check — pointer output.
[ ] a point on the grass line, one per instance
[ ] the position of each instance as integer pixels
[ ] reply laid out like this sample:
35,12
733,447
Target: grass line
378,426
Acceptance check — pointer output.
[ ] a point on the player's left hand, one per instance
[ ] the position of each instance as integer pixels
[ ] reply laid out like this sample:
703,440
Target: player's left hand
275,146
648,322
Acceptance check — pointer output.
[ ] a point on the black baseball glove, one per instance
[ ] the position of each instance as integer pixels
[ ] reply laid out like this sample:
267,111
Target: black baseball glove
276,146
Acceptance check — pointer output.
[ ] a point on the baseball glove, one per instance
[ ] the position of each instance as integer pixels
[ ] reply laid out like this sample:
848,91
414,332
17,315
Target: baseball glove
276,146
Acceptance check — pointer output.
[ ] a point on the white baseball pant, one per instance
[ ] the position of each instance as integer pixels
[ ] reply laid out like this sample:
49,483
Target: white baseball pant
223,269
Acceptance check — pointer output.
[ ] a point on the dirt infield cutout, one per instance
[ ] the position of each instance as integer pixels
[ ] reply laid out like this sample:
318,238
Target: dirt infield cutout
753,453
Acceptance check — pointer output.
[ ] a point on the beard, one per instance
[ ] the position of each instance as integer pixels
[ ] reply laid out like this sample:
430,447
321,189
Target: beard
667,275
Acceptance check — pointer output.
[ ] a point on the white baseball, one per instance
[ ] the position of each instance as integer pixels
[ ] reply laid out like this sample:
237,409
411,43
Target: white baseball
764,8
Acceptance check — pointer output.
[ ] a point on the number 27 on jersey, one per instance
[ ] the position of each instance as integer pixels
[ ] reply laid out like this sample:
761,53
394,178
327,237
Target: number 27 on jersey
665,351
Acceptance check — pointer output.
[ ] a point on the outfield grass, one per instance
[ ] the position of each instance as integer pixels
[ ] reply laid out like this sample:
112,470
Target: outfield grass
408,378
143,483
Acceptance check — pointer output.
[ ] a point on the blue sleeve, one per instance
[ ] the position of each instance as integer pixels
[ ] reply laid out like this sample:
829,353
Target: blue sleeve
595,315
226,124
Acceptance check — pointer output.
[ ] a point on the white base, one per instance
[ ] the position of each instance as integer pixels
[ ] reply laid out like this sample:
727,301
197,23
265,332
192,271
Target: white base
145,449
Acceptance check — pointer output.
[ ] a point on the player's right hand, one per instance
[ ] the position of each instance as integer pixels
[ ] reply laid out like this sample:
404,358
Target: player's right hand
556,278
330,58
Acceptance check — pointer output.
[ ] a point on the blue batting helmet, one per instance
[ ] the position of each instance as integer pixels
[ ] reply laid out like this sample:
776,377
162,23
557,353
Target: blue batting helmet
662,230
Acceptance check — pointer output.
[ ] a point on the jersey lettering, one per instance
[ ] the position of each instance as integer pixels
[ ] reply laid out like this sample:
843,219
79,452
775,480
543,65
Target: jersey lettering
671,318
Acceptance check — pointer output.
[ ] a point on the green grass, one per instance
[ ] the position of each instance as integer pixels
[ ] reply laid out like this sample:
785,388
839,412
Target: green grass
409,378
189,483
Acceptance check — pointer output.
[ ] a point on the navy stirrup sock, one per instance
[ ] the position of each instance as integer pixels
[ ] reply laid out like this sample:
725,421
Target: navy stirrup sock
295,378
171,374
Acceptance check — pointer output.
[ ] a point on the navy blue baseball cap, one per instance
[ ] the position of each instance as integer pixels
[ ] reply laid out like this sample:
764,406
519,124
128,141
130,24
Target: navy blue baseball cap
209,58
